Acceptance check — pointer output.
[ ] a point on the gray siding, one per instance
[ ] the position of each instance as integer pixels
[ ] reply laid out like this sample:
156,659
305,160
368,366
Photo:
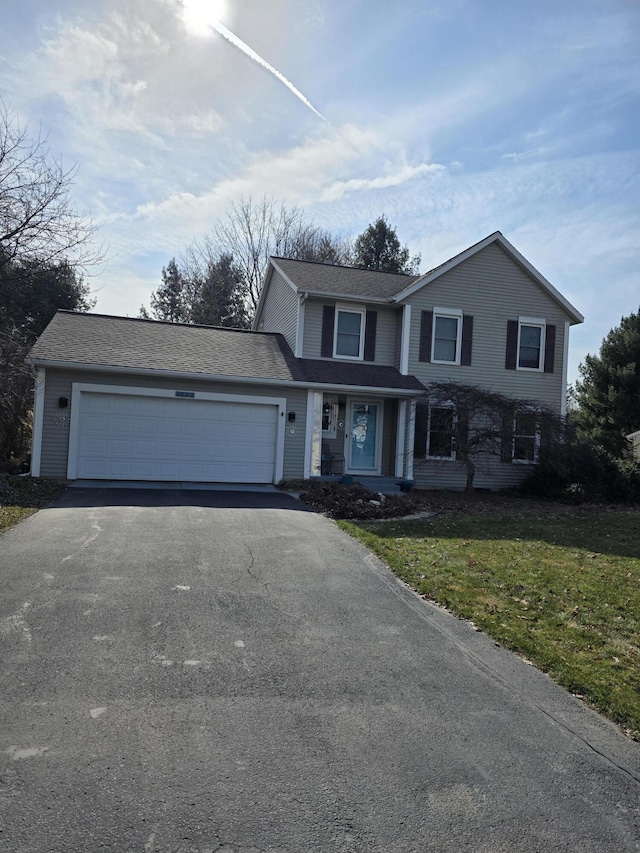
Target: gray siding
280,310
493,289
55,434
494,475
386,331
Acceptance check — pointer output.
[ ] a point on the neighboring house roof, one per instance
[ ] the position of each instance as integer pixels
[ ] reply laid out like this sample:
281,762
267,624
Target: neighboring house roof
329,279
123,344
371,286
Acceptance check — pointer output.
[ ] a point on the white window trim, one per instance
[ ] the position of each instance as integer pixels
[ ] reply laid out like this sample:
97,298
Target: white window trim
536,445
452,314
351,309
451,458
542,325
78,388
332,432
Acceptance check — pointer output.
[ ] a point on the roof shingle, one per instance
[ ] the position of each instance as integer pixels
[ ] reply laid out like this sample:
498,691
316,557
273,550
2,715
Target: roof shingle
102,341
313,277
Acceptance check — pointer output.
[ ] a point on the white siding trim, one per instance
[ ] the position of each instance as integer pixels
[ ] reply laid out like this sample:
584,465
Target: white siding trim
300,329
565,370
502,241
78,388
400,437
213,377
410,438
313,436
38,420
405,339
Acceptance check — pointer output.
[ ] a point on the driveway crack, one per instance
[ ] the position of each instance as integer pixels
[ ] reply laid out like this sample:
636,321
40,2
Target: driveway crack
251,565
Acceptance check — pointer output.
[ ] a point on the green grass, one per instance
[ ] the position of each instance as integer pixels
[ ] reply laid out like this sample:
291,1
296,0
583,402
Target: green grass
560,588
22,496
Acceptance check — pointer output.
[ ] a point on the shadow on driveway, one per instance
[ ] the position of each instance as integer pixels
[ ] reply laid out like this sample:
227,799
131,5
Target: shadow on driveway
223,499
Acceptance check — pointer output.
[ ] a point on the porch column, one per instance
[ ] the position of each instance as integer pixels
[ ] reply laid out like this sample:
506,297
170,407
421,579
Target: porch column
401,433
313,436
38,418
410,439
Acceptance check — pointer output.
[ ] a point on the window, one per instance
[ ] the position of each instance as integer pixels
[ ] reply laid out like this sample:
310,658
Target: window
526,438
530,344
447,332
348,337
440,439
329,418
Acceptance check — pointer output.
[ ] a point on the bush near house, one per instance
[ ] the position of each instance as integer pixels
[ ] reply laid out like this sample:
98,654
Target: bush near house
22,496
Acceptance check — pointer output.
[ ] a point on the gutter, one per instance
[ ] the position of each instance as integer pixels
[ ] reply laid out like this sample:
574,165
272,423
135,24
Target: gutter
214,377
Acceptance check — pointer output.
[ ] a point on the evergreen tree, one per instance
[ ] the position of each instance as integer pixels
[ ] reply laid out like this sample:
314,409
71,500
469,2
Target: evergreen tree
170,301
608,394
378,248
219,299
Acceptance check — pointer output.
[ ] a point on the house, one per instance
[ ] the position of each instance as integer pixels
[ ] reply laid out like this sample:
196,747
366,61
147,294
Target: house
326,382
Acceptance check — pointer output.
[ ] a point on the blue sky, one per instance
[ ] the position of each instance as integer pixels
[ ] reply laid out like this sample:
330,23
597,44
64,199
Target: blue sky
455,119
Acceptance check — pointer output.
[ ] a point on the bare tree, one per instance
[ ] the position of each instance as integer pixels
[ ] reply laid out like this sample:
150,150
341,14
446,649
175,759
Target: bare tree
478,425
38,220
253,231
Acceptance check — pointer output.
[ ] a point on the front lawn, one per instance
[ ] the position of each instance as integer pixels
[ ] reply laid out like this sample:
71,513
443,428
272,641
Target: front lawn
22,496
559,585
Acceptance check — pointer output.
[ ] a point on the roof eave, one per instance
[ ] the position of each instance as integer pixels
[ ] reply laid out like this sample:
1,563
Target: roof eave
216,377
499,238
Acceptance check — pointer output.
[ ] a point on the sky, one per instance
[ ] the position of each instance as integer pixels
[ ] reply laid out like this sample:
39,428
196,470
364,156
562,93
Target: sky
454,118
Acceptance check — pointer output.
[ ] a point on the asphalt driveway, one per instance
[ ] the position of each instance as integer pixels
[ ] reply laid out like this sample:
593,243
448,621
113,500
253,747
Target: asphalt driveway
214,672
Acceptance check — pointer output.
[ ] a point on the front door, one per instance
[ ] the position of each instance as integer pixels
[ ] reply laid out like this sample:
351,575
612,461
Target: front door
364,437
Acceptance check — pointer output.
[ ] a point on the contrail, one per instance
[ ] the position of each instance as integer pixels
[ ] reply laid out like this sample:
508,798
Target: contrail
231,37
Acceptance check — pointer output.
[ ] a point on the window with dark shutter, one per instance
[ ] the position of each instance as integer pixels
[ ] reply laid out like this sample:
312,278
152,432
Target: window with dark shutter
511,355
420,433
371,324
467,340
426,324
549,348
328,320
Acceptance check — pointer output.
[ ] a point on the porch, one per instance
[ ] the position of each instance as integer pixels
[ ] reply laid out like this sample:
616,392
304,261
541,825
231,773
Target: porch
364,437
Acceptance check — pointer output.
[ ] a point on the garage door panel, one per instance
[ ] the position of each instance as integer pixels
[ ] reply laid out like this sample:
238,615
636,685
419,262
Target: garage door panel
123,436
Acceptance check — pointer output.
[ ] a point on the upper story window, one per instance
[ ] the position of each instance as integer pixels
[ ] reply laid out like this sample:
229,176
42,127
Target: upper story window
531,334
447,335
348,340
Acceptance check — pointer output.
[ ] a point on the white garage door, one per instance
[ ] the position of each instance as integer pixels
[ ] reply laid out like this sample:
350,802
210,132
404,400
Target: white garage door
122,437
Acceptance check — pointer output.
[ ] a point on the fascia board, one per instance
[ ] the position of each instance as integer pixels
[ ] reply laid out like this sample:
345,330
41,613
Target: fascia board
263,296
293,286
346,297
214,377
497,237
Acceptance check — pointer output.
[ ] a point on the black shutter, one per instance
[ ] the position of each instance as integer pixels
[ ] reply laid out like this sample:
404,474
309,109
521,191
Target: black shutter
467,340
370,327
549,349
506,450
511,356
426,326
420,434
462,429
328,320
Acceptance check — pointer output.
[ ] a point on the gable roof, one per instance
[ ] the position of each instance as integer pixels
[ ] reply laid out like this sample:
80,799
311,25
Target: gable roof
371,286
127,345
329,279
500,240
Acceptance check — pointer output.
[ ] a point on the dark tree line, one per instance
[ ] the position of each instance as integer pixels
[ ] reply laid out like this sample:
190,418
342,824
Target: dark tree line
218,279
45,243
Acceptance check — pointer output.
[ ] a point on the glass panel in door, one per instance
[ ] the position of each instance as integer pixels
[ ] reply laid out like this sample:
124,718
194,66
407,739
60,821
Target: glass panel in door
363,442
